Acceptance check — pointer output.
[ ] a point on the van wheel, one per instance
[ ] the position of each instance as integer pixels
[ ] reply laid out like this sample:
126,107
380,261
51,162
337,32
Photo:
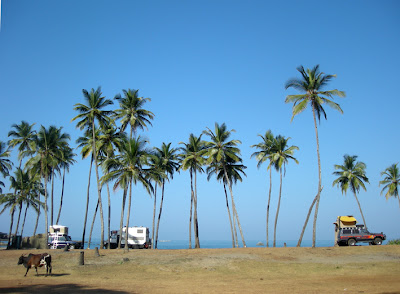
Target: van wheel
378,241
351,242
71,246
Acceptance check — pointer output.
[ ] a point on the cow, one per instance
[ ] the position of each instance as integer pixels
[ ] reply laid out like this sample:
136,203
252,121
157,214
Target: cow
36,260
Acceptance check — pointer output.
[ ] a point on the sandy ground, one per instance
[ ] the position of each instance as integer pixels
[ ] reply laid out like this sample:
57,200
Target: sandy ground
358,269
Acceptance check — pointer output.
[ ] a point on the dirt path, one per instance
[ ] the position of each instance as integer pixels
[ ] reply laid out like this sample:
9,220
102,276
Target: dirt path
359,269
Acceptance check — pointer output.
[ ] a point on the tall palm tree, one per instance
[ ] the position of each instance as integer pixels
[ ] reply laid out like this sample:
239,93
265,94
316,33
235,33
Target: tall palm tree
219,149
89,113
128,168
192,159
9,200
168,164
312,83
263,155
23,135
281,153
234,170
391,181
131,111
5,163
66,161
109,139
46,153
351,174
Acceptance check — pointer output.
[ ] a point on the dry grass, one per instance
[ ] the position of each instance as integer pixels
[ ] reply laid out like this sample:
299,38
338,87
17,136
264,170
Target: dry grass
360,269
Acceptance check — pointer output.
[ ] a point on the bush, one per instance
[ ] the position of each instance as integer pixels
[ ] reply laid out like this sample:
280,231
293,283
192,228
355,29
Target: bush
394,242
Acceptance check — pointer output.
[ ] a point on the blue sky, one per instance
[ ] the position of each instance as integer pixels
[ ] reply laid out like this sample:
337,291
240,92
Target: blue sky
203,62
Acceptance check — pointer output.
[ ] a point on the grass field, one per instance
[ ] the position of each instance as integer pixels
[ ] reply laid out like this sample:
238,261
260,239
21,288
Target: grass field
358,269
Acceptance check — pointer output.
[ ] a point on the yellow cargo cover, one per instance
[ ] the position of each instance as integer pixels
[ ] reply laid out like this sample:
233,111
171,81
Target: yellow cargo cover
348,220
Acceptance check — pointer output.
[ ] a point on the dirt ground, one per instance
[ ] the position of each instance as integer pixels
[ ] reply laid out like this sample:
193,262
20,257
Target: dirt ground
358,269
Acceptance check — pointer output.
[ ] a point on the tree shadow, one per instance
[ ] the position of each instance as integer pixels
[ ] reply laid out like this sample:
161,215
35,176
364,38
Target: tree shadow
61,289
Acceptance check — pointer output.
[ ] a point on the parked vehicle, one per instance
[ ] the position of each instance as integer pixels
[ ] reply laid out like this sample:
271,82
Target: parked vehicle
58,238
347,232
138,238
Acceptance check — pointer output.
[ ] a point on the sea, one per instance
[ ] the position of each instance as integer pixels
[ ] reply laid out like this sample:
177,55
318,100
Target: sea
215,244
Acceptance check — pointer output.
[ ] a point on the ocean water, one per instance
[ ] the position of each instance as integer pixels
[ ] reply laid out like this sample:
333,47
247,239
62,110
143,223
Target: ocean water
215,244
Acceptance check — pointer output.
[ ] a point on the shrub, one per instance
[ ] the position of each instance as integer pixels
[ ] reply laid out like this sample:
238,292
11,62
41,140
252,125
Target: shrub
394,242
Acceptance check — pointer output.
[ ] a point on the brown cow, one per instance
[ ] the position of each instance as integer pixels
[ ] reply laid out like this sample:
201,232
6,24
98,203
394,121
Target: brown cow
36,260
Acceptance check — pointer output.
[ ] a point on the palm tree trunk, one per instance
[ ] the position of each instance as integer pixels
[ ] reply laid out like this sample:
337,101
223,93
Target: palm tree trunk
11,225
121,223
52,198
319,183
159,215
306,222
230,218
126,249
98,185
61,199
277,209
87,203
19,217
269,201
45,212
234,206
196,222
23,224
359,206
191,209
93,221
154,215
109,217
37,218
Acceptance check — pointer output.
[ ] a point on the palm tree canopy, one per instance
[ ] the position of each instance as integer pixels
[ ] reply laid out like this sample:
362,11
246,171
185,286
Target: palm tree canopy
350,175
23,135
129,165
169,158
219,149
192,154
5,163
131,111
92,111
281,152
85,142
312,83
234,170
265,148
391,181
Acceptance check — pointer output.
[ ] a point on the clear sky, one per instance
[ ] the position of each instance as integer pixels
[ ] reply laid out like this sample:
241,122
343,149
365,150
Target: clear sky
203,62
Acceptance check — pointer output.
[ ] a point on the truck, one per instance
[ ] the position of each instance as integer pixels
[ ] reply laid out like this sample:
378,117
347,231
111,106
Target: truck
349,233
138,238
58,238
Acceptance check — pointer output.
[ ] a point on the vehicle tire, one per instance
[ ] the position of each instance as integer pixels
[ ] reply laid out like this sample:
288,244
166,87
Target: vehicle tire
378,241
71,246
351,242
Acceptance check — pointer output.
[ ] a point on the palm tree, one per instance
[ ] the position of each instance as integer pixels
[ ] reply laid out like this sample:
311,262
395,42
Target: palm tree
351,175
168,164
263,155
192,159
23,135
281,153
108,140
312,84
131,111
219,149
128,168
66,161
46,153
5,164
234,170
10,201
88,115
391,182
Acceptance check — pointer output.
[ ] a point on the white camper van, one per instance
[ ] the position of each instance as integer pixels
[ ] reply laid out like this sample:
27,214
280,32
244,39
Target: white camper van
138,237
